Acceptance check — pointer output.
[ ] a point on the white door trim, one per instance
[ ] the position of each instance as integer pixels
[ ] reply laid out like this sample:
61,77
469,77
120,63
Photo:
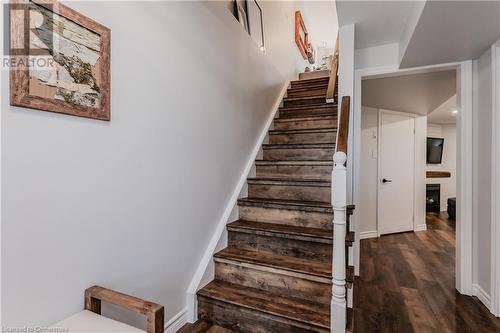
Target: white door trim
495,180
379,146
464,214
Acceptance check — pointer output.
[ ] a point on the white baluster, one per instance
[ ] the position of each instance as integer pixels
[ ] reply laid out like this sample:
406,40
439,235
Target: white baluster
339,202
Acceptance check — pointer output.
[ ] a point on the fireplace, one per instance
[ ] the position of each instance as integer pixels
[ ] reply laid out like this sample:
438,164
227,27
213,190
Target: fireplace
433,197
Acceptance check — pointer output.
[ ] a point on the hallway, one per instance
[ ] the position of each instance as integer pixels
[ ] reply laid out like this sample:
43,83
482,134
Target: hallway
406,284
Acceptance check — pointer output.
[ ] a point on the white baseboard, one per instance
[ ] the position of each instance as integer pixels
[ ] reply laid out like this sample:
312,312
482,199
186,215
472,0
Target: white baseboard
368,234
177,321
420,227
214,240
482,295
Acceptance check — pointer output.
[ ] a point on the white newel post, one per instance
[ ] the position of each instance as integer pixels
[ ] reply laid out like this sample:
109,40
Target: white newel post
338,314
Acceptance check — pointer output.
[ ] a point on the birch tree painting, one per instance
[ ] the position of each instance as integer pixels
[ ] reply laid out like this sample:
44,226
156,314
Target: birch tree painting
75,76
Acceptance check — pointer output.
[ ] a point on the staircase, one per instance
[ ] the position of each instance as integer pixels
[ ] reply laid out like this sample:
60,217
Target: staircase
276,273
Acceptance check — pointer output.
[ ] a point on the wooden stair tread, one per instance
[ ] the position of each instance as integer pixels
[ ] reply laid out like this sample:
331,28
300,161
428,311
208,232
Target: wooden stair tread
293,118
262,301
302,98
293,162
298,146
313,86
310,106
303,131
307,81
283,230
284,117
291,264
288,182
313,206
203,326
200,326
218,329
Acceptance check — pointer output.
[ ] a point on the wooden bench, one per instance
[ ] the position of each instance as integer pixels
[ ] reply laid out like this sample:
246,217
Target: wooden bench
90,320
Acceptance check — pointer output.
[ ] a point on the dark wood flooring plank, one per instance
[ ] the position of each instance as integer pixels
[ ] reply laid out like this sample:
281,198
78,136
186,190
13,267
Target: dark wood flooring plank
407,284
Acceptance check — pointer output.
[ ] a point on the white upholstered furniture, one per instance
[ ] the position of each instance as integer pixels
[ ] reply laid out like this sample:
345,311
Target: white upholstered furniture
90,320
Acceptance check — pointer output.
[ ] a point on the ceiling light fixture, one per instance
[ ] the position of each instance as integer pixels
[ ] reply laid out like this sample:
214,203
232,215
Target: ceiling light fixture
454,111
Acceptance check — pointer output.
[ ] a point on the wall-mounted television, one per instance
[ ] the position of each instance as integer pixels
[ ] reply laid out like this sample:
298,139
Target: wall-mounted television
434,150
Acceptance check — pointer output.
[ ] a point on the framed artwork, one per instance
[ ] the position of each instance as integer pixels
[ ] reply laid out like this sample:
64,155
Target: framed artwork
61,60
301,35
241,13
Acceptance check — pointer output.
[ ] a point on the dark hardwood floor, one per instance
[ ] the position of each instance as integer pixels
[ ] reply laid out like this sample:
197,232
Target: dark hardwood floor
407,284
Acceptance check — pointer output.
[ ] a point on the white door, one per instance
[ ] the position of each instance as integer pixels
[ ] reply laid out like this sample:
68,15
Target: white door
396,172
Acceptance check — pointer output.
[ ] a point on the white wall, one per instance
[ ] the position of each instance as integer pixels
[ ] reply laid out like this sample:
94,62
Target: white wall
448,162
131,204
483,144
279,27
320,18
377,56
369,171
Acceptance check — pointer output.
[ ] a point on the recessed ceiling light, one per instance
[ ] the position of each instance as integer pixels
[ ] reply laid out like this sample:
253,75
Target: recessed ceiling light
454,111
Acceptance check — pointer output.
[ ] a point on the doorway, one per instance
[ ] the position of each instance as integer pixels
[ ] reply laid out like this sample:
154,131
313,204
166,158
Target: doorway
464,171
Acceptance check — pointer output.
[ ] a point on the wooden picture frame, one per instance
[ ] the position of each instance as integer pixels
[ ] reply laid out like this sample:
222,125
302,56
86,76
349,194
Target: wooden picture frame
241,13
93,102
301,35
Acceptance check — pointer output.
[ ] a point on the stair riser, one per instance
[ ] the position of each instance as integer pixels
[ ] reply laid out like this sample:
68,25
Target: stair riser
306,93
287,217
314,74
323,172
308,83
306,124
309,112
304,102
299,154
281,246
274,282
287,192
325,137
248,320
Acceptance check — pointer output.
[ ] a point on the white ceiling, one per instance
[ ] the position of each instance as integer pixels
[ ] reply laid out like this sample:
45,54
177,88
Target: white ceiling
450,31
377,22
428,32
414,93
444,114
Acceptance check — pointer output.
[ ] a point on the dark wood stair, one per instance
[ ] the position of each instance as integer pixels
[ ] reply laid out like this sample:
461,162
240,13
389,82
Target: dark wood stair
275,275
312,135
305,122
317,170
246,309
204,326
298,152
307,111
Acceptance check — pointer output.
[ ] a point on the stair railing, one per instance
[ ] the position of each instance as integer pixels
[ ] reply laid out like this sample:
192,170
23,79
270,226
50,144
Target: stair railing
332,82
338,311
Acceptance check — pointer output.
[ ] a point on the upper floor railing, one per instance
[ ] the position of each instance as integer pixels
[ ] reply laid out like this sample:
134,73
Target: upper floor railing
332,83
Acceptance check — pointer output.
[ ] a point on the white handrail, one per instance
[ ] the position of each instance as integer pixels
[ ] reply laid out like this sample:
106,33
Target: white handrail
338,313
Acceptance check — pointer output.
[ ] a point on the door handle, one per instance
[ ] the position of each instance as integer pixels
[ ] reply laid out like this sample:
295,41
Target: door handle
386,180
